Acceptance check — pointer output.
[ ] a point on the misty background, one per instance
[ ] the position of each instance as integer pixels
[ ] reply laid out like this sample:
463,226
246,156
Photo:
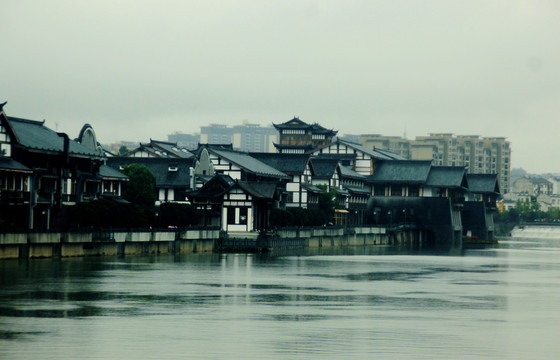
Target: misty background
141,69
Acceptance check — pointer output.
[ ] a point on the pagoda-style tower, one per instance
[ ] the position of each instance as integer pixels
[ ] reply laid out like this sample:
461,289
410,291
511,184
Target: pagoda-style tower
298,137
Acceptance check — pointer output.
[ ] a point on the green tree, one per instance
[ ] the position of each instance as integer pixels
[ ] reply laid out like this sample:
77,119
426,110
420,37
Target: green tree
528,209
123,151
307,217
174,214
106,213
553,214
327,203
299,217
512,216
279,218
141,186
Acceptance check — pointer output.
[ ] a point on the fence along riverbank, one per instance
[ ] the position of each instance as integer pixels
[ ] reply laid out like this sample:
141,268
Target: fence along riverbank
122,243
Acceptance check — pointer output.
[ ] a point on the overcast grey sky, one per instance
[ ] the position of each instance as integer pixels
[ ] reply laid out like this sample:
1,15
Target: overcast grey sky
137,69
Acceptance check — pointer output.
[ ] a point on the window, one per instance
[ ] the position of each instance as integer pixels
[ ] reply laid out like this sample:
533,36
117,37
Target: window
396,190
230,215
414,191
243,212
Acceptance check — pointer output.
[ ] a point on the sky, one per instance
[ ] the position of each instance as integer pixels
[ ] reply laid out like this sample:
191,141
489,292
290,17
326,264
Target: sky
138,69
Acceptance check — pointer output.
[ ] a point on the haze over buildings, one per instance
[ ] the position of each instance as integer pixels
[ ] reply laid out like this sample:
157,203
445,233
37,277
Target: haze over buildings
480,155
143,69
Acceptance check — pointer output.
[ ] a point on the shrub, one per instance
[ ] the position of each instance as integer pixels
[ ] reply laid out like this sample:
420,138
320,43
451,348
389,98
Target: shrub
174,214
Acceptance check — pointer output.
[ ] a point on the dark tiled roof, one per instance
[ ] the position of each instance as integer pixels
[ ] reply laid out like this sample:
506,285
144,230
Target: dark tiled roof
260,190
324,168
402,171
172,149
12,165
483,183
357,190
318,129
213,188
341,157
163,149
346,172
312,188
297,124
286,163
107,172
341,191
539,181
374,153
198,151
390,154
305,148
35,135
248,163
160,167
447,176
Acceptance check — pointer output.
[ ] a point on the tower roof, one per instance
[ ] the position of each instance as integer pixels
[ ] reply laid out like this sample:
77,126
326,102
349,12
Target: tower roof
297,124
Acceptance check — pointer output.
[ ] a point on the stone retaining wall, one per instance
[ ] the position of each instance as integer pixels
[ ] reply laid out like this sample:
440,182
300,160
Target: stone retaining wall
54,244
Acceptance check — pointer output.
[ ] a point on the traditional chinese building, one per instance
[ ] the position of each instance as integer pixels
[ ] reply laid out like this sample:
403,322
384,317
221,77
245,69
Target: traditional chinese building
298,137
42,172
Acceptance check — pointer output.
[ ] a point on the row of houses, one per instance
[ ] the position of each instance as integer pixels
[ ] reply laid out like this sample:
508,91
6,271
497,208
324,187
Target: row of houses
534,186
545,190
237,190
44,172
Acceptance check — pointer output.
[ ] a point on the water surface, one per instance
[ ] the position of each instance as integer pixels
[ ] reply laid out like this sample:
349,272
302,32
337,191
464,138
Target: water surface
356,303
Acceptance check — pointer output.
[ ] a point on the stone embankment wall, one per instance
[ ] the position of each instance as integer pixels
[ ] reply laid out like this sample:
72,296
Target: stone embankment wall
355,236
53,244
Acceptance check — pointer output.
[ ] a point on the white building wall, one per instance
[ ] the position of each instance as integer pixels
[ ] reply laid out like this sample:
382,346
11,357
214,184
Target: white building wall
555,185
142,154
363,166
292,186
224,167
236,140
428,192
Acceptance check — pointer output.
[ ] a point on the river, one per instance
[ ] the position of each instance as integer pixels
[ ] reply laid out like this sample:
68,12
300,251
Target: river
380,302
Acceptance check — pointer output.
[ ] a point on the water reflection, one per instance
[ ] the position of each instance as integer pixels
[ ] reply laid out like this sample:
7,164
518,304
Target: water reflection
329,303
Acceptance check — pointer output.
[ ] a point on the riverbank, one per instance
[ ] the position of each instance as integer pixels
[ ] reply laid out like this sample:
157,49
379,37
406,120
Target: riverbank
122,243
108,243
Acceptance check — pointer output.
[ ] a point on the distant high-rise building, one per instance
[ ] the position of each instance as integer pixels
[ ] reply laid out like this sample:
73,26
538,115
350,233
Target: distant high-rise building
216,134
189,141
254,138
245,137
479,155
395,144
